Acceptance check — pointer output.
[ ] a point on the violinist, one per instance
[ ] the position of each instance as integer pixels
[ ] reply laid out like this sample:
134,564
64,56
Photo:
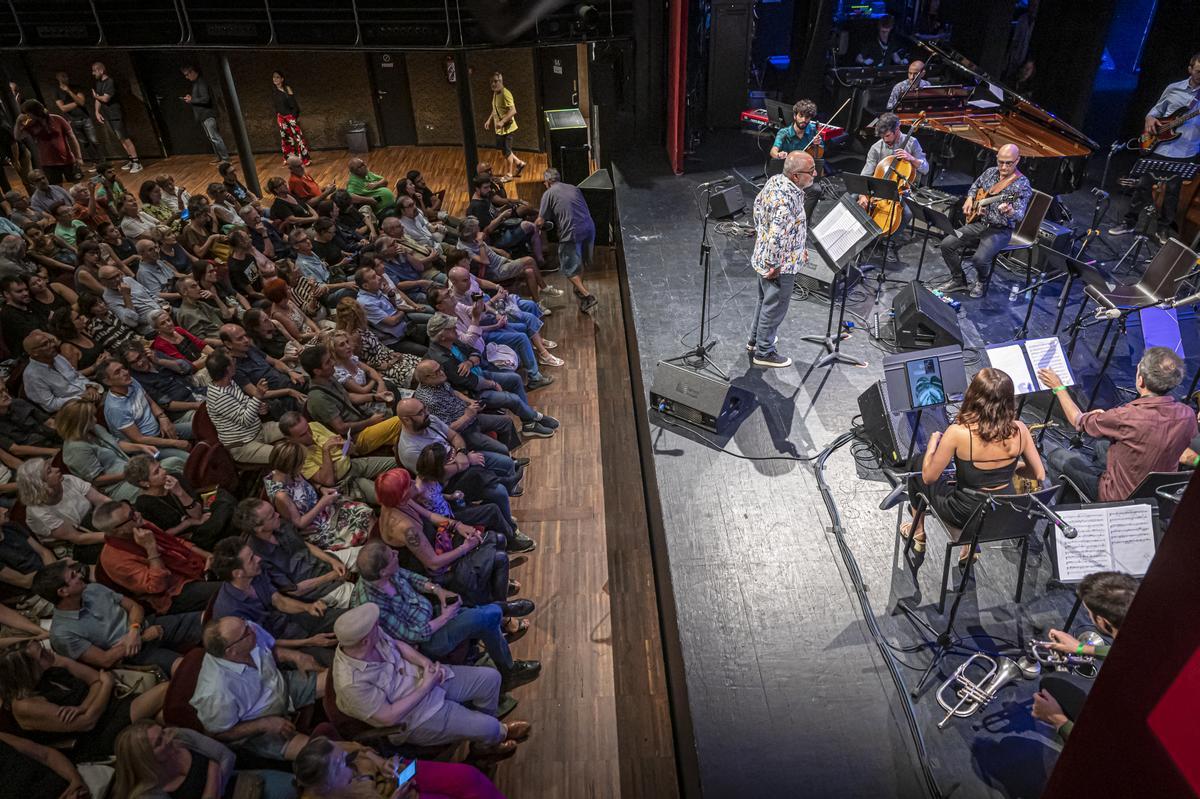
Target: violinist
887,128
993,227
802,134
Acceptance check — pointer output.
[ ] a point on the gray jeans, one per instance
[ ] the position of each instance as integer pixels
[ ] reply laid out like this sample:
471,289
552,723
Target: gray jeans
773,299
214,136
362,473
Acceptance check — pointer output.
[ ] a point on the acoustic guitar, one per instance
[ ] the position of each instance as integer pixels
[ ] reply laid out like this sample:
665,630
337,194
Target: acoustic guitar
1169,129
983,200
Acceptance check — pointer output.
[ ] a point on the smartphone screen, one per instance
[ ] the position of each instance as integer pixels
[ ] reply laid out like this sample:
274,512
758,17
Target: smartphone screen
346,446
406,775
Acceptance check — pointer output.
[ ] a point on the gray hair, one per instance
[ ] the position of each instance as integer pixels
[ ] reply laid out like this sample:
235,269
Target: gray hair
468,227
102,517
1161,369
13,246
551,176
31,483
439,322
371,560
886,123
137,470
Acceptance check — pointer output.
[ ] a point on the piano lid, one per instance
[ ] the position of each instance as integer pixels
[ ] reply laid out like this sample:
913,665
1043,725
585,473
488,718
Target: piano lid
1011,100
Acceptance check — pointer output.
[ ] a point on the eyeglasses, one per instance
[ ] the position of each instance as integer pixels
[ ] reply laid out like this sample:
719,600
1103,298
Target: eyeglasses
1005,163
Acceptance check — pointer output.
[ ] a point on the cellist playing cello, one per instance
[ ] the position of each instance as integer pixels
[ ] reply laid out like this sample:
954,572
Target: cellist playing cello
887,128
802,134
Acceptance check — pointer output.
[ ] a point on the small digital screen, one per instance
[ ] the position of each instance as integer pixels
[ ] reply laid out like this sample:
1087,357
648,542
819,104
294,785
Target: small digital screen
925,385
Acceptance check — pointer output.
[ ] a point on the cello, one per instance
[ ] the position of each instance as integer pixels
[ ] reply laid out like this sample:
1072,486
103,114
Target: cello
889,214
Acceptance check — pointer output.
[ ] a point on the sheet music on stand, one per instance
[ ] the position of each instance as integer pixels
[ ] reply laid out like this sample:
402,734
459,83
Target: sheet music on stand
1164,169
1020,360
1111,536
844,232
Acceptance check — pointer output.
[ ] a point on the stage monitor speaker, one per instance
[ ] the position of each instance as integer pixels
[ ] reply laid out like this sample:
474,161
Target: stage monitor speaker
816,276
891,433
726,202
597,191
922,320
695,397
567,135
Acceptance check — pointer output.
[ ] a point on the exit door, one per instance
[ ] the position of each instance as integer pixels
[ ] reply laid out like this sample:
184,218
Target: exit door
393,98
165,86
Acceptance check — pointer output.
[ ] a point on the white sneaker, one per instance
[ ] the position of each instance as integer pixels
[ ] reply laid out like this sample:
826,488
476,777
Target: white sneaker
125,167
550,360
137,167
545,310
553,291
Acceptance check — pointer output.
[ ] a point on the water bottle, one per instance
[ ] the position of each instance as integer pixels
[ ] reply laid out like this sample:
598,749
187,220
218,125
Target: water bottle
1013,293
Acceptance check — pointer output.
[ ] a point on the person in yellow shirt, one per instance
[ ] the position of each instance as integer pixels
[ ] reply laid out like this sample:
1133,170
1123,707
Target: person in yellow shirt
503,120
325,463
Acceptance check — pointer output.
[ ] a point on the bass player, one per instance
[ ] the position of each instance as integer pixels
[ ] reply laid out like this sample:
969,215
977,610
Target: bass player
1002,193
1181,96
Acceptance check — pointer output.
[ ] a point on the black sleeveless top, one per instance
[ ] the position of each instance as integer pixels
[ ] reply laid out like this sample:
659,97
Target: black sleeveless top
197,776
972,476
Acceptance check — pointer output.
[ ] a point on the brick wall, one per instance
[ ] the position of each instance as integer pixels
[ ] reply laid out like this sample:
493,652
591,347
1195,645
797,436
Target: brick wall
435,101
517,66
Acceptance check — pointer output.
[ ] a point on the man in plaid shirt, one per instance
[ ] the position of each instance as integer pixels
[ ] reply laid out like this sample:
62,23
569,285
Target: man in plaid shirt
781,227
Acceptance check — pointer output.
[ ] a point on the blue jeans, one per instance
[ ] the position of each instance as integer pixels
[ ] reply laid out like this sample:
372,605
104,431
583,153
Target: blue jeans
214,136
519,341
573,256
512,398
774,296
988,242
1083,469
480,623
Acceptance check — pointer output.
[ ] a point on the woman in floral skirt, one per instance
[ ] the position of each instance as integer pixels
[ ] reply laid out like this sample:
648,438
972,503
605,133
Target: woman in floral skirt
287,114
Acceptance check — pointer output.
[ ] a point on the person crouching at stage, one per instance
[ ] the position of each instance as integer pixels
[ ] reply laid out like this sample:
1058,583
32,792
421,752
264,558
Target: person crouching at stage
993,229
781,226
798,136
986,442
1106,596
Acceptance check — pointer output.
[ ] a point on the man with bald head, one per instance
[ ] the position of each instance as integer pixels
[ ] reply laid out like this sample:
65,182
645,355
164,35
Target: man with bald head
367,188
153,272
915,80
779,253
993,228
131,301
49,380
464,415
302,185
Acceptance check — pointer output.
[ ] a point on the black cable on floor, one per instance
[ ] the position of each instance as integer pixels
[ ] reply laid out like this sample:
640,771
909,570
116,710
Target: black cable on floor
868,613
724,451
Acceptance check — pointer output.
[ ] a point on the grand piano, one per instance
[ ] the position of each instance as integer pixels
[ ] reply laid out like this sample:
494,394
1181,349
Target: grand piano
987,115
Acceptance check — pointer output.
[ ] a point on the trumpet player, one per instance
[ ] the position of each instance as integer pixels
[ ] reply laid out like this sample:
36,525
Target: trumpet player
1106,596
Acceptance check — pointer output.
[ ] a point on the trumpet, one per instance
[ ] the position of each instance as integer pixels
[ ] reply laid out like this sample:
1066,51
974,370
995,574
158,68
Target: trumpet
1053,660
974,693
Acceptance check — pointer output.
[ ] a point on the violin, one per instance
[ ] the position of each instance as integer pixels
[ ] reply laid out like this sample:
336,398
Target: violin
889,214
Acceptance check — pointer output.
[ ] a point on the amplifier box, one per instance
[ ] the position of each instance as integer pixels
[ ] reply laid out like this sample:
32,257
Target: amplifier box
695,397
892,433
1055,236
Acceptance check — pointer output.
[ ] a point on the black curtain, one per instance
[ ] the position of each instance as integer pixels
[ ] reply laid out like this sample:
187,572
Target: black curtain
982,29
1068,43
1169,46
812,26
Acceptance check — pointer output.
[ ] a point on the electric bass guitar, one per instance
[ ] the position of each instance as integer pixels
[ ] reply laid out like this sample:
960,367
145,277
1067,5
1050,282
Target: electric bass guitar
1169,128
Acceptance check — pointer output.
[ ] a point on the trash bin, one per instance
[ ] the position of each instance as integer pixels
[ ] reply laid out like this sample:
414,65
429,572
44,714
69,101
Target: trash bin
356,137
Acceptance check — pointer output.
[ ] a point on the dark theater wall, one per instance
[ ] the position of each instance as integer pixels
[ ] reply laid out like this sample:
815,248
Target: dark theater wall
434,99
78,64
332,88
518,67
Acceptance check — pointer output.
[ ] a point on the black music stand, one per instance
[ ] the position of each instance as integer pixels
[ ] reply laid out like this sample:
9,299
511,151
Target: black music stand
698,357
874,188
932,219
1159,171
832,340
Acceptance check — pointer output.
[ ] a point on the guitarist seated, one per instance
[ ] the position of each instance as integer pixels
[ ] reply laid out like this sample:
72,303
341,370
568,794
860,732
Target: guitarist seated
1172,133
995,205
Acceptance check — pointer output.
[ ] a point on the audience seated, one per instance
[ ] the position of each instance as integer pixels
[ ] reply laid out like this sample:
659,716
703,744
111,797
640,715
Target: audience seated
367,188
49,698
287,315
330,404
35,771
396,367
58,509
396,320
237,416
250,594
170,388
163,572
97,626
25,429
17,317
83,352
49,381
323,517
387,683
177,343
327,464
199,312
329,769
406,613
103,325
131,301
243,699
166,502
96,456
129,412
365,385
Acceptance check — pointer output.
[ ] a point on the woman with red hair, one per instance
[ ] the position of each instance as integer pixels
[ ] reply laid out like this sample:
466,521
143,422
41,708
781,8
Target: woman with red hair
467,560
297,323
